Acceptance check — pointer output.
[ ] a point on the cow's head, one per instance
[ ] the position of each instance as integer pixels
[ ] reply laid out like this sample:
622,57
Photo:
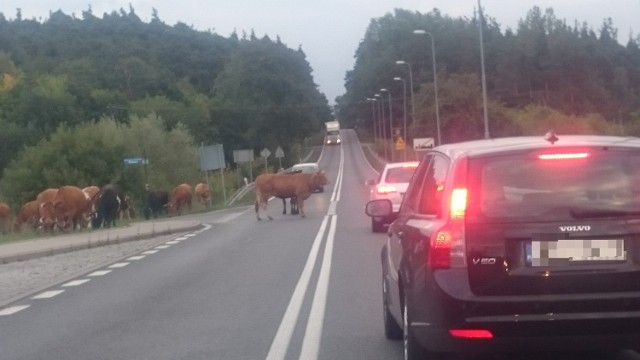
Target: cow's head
47,216
319,178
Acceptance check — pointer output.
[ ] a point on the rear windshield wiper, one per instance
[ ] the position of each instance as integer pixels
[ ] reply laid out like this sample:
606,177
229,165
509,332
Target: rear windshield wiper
578,213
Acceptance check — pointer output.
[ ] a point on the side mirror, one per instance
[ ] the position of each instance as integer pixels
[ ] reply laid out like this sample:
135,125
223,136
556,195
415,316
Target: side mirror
370,182
379,208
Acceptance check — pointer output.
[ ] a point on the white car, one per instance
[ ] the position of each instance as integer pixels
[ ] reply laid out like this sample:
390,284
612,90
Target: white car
391,184
306,168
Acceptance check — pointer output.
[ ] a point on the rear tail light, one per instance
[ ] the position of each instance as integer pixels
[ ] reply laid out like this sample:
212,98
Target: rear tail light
471,333
386,189
447,244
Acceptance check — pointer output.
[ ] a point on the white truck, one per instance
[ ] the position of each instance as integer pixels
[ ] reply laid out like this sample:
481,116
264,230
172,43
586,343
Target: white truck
333,133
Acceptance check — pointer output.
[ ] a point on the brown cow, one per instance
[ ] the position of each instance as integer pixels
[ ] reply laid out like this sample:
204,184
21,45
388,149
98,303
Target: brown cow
70,205
45,208
180,197
203,195
285,186
91,194
28,214
5,211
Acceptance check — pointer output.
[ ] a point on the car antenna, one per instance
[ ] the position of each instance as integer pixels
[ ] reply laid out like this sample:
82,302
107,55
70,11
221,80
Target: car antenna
551,137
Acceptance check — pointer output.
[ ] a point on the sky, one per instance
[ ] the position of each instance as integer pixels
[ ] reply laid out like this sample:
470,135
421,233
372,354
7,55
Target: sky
329,31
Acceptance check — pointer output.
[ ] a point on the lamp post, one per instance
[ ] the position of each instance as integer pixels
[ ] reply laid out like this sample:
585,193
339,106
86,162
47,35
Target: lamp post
373,117
390,121
381,124
435,80
404,123
413,111
484,77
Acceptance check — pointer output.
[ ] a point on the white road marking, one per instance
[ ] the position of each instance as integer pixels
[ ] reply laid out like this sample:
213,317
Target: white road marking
118,265
181,238
313,333
280,343
137,257
76,282
100,273
162,247
190,235
12,310
150,252
172,242
48,294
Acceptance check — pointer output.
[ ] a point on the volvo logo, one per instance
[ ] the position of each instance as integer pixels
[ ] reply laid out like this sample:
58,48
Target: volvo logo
576,228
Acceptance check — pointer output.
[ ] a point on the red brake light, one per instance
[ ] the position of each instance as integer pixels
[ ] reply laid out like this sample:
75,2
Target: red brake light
386,189
447,244
564,156
471,333
458,204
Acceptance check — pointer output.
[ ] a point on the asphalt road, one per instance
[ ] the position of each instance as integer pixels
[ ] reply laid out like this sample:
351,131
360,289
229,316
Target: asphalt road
290,288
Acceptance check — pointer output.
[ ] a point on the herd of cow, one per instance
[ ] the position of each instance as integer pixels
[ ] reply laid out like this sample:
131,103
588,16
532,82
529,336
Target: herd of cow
70,207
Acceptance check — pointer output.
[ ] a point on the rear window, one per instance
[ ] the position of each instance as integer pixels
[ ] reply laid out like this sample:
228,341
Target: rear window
566,185
399,174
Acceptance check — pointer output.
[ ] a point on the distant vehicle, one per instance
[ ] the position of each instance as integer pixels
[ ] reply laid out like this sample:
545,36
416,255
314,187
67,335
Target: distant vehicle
391,184
516,244
333,133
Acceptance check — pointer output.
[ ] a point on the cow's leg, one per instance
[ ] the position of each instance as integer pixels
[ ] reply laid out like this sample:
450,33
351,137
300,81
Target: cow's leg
294,205
301,207
257,206
284,206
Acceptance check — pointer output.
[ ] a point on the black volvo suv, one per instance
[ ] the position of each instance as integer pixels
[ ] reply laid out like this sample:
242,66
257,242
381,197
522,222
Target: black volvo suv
527,243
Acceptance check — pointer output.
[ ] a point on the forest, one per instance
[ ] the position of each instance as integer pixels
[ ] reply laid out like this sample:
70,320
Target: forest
545,74
79,95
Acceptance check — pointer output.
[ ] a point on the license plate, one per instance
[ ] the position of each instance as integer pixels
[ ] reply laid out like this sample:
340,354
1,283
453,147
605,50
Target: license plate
574,251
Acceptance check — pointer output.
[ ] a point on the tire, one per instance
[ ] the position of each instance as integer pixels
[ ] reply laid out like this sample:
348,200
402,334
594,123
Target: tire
377,226
392,330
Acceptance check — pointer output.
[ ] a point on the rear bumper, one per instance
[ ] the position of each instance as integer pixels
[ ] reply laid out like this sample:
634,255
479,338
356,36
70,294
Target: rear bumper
436,339
521,323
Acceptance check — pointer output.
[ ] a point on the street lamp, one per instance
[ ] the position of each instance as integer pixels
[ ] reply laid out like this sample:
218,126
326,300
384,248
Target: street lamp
373,117
390,121
381,123
404,124
435,79
413,111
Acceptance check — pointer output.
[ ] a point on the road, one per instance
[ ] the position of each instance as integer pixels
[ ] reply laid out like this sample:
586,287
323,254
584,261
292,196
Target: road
285,289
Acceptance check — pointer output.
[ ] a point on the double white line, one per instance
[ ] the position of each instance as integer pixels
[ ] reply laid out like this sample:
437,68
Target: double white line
313,332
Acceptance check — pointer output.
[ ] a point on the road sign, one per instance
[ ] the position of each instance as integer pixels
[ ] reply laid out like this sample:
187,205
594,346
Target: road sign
422,143
265,153
400,144
135,161
279,152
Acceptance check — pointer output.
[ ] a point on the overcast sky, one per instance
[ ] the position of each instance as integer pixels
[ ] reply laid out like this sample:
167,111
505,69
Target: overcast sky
329,31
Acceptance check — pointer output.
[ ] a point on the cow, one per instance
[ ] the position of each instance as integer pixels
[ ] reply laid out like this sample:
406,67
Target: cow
202,193
107,206
69,206
91,194
286,186
155,203
5,211
45,208
126,208
180,197
28,214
